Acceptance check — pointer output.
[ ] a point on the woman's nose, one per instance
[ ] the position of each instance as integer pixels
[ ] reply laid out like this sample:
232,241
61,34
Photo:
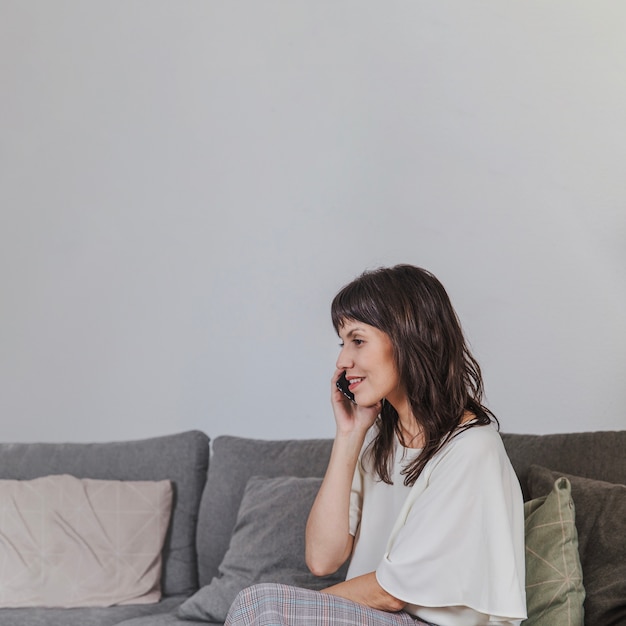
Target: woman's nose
344,362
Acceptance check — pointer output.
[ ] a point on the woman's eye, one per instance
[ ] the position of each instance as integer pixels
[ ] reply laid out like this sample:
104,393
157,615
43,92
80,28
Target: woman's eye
358,342
341,344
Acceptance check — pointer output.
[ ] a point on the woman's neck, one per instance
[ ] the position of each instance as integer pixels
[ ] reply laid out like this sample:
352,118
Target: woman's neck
411,433
409,430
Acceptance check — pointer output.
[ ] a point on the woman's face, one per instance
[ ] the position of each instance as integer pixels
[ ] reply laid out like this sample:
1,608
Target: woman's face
367,357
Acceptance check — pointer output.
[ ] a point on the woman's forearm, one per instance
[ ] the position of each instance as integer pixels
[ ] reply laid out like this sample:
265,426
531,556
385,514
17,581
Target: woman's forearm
328,539
366,590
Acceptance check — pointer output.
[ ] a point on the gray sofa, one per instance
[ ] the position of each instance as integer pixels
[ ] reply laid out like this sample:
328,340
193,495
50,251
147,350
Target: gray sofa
207,509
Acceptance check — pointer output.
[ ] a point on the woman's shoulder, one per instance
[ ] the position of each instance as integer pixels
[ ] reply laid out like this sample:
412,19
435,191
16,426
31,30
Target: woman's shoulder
474,440
472,429
476,451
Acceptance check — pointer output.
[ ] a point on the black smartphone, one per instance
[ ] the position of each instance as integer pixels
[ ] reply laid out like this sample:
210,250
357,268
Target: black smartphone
342,385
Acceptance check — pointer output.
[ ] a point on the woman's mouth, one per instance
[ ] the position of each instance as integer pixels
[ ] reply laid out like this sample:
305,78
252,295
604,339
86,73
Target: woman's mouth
353,383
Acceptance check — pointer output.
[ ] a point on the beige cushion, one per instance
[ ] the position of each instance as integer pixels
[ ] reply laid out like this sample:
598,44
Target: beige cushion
67,542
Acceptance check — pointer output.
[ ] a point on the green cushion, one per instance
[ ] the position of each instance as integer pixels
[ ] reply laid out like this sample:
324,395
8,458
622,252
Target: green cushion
554,587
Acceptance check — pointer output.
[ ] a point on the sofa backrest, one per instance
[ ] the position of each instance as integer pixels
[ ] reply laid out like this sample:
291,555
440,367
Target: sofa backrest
599,455
182,458
233,461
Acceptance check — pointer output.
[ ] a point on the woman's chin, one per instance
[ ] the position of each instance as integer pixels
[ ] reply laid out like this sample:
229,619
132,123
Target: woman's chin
368,403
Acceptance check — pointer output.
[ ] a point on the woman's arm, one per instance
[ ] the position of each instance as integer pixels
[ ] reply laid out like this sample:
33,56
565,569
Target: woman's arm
328,539
366,590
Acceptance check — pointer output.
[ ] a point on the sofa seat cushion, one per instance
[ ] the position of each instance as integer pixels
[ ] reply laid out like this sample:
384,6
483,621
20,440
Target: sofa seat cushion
166,619
92,616
601,523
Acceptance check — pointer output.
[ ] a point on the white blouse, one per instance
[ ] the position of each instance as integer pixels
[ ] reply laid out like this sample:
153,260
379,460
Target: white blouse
452,545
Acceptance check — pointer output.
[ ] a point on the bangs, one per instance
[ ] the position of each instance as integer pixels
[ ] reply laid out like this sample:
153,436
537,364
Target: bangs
356,302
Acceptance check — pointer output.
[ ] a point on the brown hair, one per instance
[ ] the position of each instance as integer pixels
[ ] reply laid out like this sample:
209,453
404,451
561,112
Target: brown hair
442,378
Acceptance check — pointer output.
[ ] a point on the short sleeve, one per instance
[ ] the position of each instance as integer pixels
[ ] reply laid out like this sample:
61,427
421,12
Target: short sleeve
356,492
459,540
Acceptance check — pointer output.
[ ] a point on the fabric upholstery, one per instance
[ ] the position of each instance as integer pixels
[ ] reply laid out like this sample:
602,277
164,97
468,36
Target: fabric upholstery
601,524
554,584
598,455
181,458
233,462
267,545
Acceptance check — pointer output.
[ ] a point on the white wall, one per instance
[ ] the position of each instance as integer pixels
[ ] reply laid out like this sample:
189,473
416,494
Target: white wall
185,185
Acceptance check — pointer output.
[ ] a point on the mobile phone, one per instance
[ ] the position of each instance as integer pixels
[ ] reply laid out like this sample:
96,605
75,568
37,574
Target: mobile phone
342,385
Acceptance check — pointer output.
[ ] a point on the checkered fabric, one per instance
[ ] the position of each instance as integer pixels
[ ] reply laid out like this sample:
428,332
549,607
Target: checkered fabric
270,604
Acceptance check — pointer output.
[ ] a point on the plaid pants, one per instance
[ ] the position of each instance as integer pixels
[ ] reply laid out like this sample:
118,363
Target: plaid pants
271,604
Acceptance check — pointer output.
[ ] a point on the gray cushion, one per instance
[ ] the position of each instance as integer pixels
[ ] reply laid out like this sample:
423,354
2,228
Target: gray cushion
267,546
599,455
601,524
182,458
233,462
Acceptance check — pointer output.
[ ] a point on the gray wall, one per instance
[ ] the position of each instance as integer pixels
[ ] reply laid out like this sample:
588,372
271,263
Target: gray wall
185,185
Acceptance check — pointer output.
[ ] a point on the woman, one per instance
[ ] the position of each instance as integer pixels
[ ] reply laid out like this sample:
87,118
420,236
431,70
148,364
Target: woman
419,493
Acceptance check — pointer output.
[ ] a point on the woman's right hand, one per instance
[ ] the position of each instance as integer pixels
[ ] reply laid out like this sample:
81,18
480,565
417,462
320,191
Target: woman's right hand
351,418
